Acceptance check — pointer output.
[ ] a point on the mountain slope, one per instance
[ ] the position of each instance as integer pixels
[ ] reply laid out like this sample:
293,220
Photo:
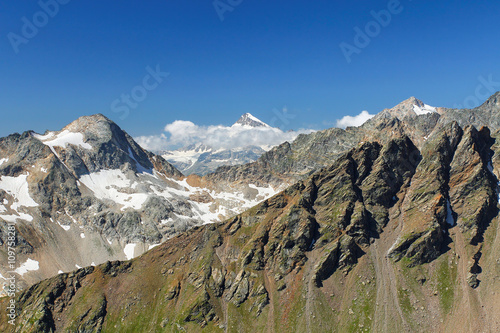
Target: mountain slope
316,257
89,193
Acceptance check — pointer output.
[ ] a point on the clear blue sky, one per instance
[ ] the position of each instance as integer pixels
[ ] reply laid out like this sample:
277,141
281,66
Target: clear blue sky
264,55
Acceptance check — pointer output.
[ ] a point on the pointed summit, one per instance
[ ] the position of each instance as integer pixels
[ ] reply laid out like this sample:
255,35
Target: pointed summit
493,100
248,120
410,107
412,101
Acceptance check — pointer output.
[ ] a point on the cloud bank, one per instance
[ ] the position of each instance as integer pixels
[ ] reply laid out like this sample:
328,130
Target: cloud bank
356,121
182,133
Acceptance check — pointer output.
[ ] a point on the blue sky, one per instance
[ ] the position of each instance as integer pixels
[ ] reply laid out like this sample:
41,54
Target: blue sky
263,56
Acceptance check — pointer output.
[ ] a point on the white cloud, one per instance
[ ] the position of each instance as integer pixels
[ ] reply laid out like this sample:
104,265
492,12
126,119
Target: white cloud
356,121
181,133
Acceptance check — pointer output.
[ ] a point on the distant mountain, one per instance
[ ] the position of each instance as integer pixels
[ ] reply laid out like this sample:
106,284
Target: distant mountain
248,120
201,159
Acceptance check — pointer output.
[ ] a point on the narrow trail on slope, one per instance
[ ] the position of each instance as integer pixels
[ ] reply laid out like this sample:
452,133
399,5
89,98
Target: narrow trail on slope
309,291
494,313
270,316
218,253
387,294
470,305
381,310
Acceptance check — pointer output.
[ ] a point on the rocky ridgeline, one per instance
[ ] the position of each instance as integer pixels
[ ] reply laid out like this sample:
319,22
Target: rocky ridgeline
294,161
305,258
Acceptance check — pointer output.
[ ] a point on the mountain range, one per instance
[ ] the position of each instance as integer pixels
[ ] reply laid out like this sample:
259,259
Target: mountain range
201,159
92,189
387,227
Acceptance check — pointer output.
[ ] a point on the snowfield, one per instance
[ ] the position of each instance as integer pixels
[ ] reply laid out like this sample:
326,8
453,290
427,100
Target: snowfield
29,265
63,139
17,187
133,190
423,110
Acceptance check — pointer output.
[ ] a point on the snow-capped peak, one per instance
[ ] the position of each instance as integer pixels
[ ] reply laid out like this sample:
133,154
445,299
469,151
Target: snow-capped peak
423,109
248,120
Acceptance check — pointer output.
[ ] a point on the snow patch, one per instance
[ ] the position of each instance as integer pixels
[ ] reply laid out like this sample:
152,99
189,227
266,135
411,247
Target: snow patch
393,246
82,235
14,218
60,272
189,157
78,267
152,246
72,218
449,214
140,168
423,110
3,160
29,265
250,116
115,186
490,167
18,188
63,139
65,227
129,251
265,192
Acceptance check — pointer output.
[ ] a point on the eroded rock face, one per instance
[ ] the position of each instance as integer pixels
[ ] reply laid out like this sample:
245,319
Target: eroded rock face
425,207
452,186
473,194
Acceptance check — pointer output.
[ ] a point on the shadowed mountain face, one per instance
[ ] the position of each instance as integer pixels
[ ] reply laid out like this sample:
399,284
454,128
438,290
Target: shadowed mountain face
392,236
